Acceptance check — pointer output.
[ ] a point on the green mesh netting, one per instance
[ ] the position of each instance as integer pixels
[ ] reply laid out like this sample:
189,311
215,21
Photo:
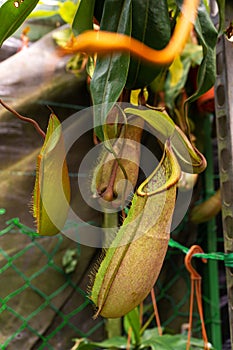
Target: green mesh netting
44,307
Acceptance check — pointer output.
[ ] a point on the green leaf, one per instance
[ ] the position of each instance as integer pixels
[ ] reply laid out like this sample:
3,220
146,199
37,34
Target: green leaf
207,35
67,10
173,90
110,73
12,15
176,71
70,260
83,19
43,13
115,342
152,340
221,14
118,342
190,159
131,320
160,122
171,4
150,334
191,55
153,30
193,52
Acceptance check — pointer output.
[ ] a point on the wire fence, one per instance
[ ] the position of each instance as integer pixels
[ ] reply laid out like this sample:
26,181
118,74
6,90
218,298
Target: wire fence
43,300
40,294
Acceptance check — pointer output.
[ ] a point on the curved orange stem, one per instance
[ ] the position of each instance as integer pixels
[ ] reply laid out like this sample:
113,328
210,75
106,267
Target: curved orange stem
105,42
129,339
25,119
195,286
160,331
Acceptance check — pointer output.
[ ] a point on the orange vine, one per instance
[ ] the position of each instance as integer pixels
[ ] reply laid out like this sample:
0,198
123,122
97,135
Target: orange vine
105,42
195,286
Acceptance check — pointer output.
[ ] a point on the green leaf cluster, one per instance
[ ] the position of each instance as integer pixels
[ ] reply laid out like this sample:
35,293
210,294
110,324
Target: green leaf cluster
142,20
153,26
148,340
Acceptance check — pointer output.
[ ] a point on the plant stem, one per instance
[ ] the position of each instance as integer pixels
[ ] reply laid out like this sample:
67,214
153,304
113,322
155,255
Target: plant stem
113,325
25,119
